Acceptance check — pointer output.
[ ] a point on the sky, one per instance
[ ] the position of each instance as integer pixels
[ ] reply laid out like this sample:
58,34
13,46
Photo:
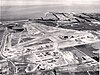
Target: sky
43,2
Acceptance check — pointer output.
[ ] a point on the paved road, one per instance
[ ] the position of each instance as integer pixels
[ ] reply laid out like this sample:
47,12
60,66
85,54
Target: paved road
3,44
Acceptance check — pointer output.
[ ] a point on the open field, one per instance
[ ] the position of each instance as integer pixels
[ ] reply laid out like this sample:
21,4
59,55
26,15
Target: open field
1,35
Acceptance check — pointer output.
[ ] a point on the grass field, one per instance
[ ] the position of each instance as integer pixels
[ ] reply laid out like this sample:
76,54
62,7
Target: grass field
1,35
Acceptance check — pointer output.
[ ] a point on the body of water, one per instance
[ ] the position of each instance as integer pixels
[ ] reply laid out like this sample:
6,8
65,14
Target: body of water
36,11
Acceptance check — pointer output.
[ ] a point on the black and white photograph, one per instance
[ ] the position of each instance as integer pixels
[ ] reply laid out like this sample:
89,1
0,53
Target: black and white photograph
49,37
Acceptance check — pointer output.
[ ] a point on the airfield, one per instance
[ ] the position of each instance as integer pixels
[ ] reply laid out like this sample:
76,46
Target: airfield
57,44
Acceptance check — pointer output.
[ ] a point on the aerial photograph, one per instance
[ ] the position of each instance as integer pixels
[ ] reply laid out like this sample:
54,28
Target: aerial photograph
49,37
